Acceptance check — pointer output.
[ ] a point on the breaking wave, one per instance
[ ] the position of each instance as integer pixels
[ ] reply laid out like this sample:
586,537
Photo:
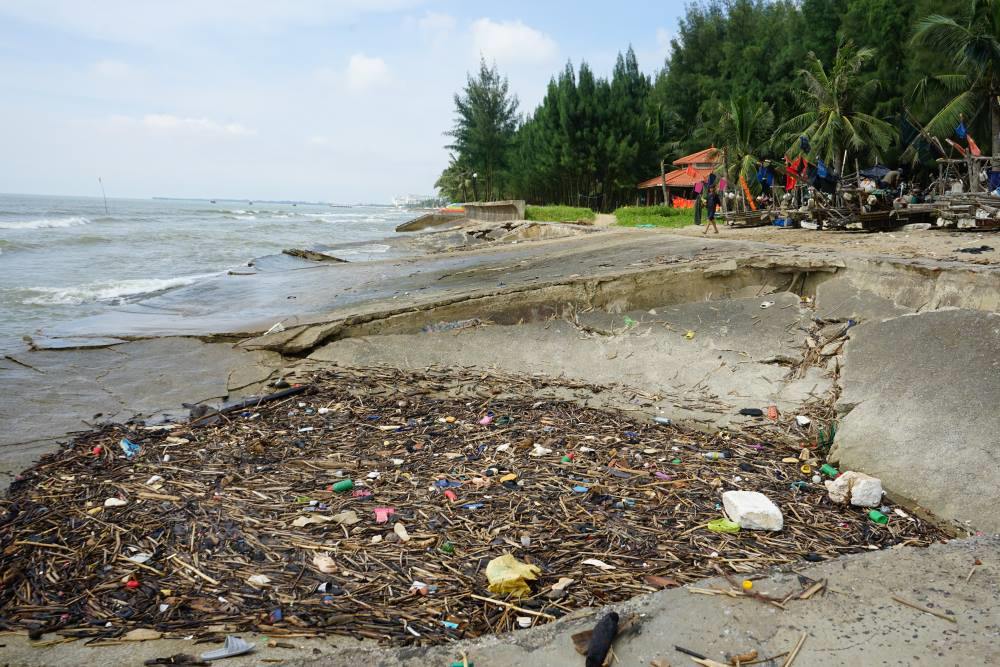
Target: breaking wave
114,292
45,223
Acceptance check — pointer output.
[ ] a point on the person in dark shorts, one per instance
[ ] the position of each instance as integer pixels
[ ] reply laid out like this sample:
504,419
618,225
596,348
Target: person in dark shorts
712,205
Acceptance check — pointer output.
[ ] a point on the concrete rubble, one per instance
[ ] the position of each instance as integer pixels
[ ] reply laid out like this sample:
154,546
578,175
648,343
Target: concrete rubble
752,510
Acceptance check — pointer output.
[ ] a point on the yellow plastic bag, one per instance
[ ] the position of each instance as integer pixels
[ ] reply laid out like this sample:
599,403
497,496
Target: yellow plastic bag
509,575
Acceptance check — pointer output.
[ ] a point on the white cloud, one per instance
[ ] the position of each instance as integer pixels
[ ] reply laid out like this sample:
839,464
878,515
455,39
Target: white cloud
364,72
437,25
319,140
111,69
512,42
165,122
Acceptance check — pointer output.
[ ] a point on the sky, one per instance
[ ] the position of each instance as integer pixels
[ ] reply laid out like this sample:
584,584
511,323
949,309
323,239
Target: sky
321,100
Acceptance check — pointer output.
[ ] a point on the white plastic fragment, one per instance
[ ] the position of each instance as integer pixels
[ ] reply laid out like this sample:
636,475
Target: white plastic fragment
600,564
752,510
259,580
115,502
233,646
802,420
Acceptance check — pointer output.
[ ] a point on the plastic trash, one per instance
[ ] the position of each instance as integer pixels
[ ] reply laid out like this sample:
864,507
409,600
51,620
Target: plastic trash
115,502
324,563
233,646
772,412
129,447
828,470
580,489
629,322
382,514
507,574
343,485
450,495
663,421
802,420
723,526
716,456
487,419
767,304
599,564
600,641
689,335
401,532
752,412
878,517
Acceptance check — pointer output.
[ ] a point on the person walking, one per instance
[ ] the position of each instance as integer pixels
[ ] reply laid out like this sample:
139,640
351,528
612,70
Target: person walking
712,204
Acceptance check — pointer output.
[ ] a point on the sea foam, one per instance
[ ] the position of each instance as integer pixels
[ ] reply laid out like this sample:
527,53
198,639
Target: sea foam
45,223
110,291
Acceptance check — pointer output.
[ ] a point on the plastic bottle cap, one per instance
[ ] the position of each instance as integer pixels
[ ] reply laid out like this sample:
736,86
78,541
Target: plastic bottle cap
747,584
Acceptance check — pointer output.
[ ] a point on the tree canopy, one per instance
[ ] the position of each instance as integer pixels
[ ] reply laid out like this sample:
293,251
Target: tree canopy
858,75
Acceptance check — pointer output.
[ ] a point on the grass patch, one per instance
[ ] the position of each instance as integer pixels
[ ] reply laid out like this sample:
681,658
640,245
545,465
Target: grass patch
559,214
657,216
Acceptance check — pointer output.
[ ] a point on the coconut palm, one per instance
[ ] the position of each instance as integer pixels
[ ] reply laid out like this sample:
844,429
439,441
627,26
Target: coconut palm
743,134
832,120
972,43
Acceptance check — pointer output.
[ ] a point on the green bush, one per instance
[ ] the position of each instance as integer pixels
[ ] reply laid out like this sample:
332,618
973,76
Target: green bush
559,214
657,216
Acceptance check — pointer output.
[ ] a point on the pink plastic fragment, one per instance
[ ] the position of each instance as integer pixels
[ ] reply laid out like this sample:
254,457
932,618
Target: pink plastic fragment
382,514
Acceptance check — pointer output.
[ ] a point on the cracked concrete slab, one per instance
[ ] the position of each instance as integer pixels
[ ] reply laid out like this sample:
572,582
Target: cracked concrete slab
72,389
707,378
922,391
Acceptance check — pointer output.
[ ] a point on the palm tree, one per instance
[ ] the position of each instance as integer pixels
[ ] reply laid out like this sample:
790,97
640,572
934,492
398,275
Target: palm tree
743,134
972,42
833,122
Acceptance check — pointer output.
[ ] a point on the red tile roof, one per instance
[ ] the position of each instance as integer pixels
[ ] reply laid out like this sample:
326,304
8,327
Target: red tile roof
709,155
677,179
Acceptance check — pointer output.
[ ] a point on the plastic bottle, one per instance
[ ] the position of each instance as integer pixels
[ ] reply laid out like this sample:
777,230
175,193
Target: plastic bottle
663,421
878,517
343,485
715,456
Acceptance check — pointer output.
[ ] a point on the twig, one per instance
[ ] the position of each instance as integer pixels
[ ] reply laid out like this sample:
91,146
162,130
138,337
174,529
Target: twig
795,651
514,607
916,606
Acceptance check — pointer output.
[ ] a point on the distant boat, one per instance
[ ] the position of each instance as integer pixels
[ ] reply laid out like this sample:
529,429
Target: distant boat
213,201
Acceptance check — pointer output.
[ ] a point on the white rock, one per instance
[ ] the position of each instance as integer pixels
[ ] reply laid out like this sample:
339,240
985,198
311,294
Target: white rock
862,490
866,491
752,510
839,490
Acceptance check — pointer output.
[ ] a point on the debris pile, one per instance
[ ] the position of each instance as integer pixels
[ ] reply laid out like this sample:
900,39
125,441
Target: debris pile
372,503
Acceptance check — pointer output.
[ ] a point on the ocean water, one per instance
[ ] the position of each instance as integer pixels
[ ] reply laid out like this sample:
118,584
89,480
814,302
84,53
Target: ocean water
62,258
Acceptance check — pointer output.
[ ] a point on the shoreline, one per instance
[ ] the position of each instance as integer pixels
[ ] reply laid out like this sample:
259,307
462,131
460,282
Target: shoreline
553,307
